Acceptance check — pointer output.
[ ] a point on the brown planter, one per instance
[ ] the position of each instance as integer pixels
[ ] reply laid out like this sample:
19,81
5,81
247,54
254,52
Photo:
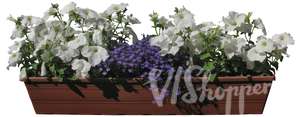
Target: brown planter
85,97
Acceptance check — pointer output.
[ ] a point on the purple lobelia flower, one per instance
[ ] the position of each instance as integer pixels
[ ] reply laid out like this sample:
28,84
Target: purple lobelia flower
134,60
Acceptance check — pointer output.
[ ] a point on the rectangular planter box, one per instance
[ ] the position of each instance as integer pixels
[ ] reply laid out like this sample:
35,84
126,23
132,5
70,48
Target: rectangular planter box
85,97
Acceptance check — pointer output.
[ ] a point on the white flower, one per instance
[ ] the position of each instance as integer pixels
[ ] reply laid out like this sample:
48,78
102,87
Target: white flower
14,59
88,13
240,44
66,54
95,54
41,45
175,46
283,40
38,33
254,55
183,19
115,8
233,20
23,74
260,25
229,48
265,45
165,22
43,69
79,41
55,27
69,7
31,20
205,26
162,41
82,67
97,37
17,33
232,46
16,47
197,41
49,12
11,18
133,20
168,41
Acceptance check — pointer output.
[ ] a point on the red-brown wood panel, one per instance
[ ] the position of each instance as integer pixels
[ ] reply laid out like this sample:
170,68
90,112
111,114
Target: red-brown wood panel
58,98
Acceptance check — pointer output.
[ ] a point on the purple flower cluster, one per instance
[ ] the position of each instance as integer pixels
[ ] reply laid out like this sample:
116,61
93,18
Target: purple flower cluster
136,59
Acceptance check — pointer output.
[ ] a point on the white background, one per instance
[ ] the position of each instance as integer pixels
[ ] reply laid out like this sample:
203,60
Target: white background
278,16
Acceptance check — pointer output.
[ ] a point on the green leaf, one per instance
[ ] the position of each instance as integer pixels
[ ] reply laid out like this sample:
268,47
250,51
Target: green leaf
72,77
134,36
61,71
247,19
209,66
205,56
275,64
212,77
281,58
52,69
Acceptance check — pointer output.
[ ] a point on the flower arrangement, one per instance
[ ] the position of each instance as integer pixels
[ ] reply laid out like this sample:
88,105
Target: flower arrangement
73,42
68,42
227,49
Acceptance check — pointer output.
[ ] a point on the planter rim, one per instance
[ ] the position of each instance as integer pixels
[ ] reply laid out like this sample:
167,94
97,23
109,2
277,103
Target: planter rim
134,80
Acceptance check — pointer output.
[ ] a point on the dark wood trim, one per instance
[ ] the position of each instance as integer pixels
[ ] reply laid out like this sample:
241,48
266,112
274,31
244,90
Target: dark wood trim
195,79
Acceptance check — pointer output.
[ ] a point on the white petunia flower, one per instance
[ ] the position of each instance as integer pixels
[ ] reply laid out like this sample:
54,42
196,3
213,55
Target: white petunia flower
49,12
260,25
79,41
254,55
69,7
17,33
232,46
240,44
81,67
133,20
165,22
162,41
43,69
88,13
229,47
14,59
168,41
95,54
195,35
66,54
11,18
115,8
41,45
38,33
23,74
55,26
173,50
283,40
261,37
205,26
97,37
183,19
265,45
15,47
233,20
31,20
175,46
197,41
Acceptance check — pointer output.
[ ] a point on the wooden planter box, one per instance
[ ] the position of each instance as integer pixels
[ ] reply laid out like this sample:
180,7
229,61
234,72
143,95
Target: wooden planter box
85,97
